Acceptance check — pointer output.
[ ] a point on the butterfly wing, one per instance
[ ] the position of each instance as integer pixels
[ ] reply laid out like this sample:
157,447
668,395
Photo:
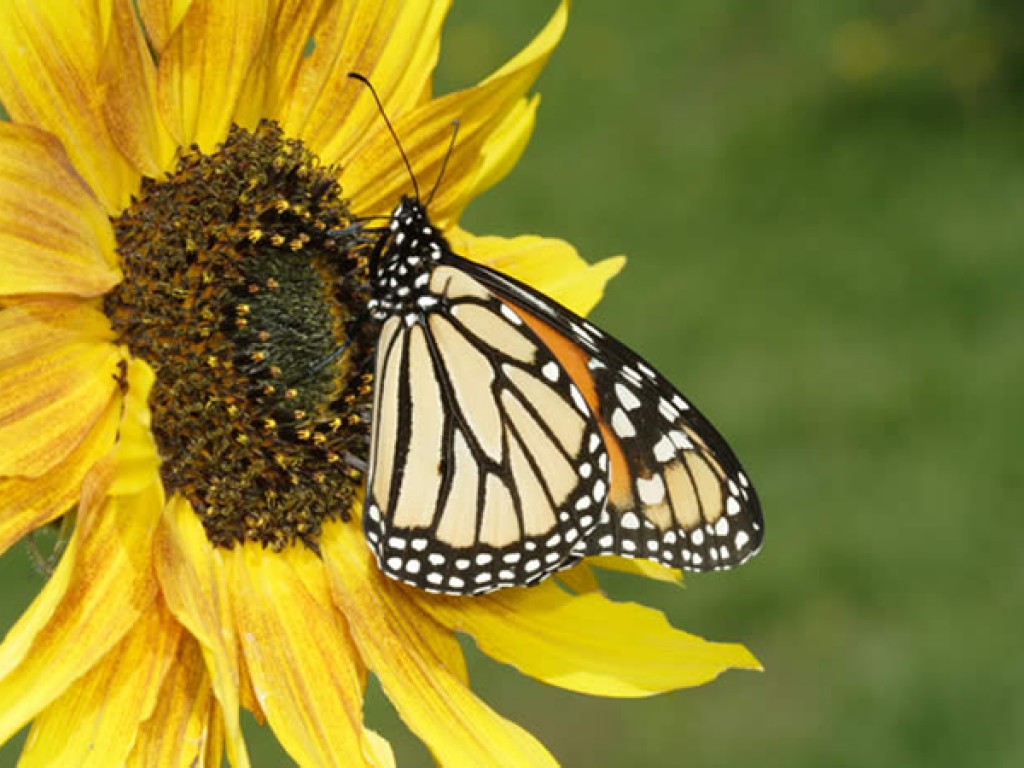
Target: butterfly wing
487,466
678,495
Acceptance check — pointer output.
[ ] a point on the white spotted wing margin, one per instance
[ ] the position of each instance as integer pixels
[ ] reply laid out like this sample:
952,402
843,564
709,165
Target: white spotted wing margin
486,461
678,494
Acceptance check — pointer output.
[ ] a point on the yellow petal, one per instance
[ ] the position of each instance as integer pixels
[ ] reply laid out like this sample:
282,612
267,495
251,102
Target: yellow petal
138,459
96,721
304,668
380,753
102,586
194,582
54,234
56,380
29,503
129,83
49,63
503,149
412,657
551,266
587,643
204,67
374,176
580,579
161,18
394,43
182,731
646,568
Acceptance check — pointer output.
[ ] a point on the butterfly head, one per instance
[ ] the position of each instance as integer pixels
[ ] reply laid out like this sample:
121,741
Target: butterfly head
404,258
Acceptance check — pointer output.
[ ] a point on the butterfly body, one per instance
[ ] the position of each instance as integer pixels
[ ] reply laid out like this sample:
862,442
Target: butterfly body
511,438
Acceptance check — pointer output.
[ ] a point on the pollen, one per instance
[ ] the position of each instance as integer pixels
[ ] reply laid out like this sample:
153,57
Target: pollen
244,281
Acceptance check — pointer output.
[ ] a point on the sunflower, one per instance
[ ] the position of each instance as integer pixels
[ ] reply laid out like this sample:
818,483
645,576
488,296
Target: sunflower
179,184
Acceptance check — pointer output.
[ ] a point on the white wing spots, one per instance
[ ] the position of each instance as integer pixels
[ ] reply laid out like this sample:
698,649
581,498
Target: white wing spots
646,370
680,402
732,507
621,424
651,490
664,450
668,411
577,398
510,314
680,440
595,365
630,521
550,371
631,375
627,398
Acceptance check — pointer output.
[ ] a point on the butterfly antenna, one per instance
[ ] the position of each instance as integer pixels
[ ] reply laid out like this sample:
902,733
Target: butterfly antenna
444,164
380,107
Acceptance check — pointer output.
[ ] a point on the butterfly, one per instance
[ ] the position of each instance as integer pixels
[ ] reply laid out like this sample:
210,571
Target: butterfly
512,438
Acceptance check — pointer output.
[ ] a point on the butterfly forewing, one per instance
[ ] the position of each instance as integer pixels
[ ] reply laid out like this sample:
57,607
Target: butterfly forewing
485,457
678,494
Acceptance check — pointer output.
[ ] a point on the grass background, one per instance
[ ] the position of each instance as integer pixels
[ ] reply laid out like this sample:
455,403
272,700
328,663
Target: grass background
824,208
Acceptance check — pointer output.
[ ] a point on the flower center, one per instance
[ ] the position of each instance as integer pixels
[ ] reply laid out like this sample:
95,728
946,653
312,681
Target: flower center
244,289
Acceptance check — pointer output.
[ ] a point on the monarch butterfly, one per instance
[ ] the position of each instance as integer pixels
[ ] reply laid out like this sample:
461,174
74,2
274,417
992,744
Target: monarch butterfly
511,438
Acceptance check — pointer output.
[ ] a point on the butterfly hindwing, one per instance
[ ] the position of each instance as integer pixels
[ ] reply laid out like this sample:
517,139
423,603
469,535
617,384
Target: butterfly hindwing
485,467
678,494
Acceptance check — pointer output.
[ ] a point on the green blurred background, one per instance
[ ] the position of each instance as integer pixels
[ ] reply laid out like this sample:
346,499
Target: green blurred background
824,208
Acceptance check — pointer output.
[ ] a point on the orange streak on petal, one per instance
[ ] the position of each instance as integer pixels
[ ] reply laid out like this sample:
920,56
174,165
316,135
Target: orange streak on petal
29,503
395,43
412,655
182,730
305,670
129,83
204,67
102,586
374,176
49,66
96,721
50,402
54,234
